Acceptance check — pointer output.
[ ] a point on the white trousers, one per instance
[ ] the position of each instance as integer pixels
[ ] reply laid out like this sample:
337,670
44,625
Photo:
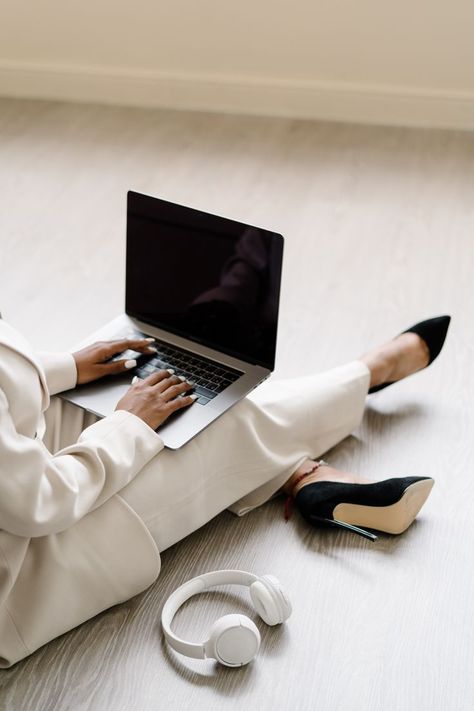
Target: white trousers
243,458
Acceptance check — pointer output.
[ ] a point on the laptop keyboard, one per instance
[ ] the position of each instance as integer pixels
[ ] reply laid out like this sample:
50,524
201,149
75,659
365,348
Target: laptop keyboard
208,378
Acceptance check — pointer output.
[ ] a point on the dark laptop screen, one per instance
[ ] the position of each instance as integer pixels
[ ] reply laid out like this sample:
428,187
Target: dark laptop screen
212,280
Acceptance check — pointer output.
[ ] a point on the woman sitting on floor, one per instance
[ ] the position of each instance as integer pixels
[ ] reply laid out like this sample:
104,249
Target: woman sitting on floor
86,505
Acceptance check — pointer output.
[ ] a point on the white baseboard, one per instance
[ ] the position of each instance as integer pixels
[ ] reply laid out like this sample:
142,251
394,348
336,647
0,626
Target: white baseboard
371,104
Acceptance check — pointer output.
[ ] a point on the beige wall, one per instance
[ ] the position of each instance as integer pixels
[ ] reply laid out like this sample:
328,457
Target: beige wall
265,56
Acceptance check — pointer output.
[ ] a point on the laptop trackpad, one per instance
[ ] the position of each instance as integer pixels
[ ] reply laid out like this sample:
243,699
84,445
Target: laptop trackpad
100,397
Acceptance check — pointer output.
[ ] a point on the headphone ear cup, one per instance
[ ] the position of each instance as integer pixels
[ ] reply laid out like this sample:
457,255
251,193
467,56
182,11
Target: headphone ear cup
234,641
269,600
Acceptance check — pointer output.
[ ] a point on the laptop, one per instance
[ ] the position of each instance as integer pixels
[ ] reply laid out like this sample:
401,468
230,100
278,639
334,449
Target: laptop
207,289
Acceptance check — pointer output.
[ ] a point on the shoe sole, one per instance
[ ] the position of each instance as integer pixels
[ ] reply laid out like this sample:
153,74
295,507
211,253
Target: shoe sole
395,518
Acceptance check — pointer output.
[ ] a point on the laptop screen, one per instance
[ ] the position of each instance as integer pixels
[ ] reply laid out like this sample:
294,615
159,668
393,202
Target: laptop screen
207,278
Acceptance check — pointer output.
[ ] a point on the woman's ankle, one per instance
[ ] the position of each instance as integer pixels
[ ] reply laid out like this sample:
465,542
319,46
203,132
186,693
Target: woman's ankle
324,472
396,359
379,367
308,472
304,470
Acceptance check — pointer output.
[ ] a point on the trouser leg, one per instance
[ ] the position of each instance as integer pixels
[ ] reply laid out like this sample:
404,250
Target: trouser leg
245,456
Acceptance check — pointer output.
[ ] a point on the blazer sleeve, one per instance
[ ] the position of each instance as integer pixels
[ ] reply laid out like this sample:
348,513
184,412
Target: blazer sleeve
60,370
42,494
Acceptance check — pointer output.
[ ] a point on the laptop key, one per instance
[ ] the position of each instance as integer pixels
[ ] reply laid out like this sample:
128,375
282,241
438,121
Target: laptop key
203,400
199,390
211,377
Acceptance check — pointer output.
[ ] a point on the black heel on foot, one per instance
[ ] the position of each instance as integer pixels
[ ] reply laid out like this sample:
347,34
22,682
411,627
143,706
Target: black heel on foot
389,506
433,331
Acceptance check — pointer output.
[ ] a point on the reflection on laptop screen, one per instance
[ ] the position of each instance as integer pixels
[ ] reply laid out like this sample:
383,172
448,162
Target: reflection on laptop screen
209,279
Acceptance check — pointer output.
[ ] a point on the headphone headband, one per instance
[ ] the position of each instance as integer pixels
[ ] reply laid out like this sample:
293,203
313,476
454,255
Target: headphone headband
185,592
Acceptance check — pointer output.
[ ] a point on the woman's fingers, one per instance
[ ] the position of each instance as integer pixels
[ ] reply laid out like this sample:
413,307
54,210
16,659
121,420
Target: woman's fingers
180,402
169,387
161,380
159,377
155,398
108,349
173,391
116,367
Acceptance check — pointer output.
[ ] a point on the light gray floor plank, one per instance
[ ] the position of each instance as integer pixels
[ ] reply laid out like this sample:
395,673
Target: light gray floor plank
379,228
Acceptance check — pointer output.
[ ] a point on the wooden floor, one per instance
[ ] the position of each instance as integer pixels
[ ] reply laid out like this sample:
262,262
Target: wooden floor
379,227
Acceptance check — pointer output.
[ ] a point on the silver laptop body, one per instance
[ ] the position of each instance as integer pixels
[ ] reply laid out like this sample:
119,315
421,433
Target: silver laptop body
207,289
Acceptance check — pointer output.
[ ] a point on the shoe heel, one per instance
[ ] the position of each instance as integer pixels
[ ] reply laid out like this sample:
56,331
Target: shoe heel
349,527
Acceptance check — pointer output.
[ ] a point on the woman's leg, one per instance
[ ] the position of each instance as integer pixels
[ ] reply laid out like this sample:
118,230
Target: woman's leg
389,362
246,455
240,460
250,452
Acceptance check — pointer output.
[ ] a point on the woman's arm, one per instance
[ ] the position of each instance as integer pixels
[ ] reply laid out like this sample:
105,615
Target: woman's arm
41,494
66,370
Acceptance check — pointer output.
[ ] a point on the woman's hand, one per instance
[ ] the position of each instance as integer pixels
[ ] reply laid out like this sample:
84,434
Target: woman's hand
91,362
155,398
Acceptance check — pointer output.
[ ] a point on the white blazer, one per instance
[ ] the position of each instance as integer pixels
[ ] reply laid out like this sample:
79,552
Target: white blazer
70,546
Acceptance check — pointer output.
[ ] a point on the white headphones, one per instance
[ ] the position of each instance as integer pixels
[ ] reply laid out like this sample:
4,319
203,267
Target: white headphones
234,640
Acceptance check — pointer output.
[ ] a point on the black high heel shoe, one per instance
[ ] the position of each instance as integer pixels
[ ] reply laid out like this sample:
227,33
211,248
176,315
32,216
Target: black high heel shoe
433,331
389,506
